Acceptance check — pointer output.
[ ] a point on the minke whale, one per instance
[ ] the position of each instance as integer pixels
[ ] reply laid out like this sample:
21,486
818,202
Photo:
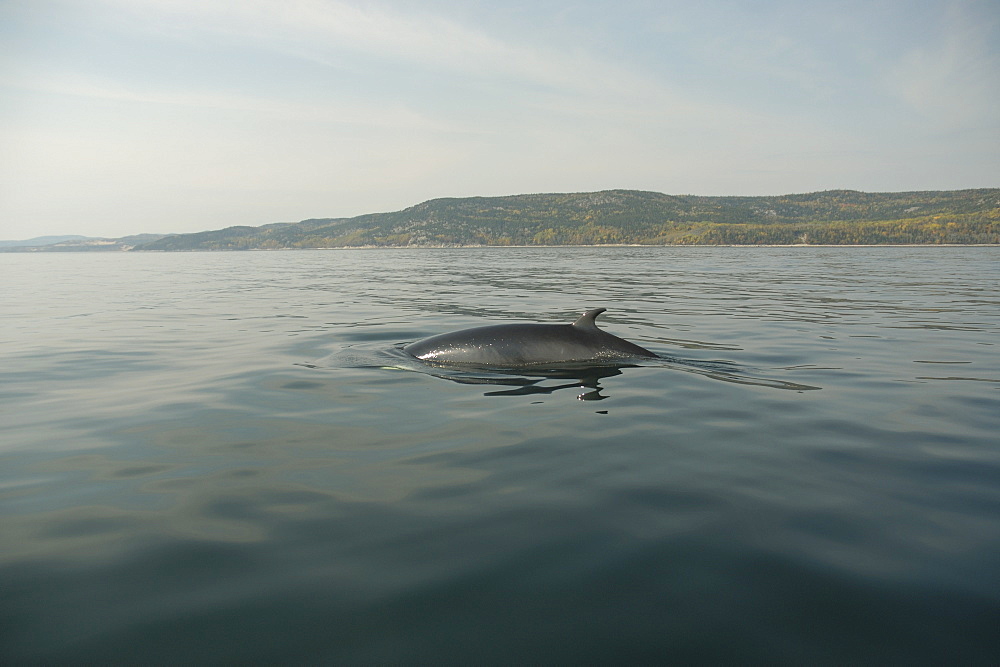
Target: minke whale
515,345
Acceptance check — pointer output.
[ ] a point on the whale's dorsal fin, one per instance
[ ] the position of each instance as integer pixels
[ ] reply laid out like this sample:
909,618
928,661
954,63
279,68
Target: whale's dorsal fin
587,320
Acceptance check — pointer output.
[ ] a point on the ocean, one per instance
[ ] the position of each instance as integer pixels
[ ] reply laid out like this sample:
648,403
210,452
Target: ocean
227,458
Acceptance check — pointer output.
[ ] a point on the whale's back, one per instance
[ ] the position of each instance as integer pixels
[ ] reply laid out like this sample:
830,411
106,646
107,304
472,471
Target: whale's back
527,344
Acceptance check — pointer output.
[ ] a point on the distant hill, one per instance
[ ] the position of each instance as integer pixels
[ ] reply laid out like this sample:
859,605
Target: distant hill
40,241
77,243
837,217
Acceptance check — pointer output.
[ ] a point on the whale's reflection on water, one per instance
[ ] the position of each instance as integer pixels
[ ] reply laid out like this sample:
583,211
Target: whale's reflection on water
525,381
548,379
536,381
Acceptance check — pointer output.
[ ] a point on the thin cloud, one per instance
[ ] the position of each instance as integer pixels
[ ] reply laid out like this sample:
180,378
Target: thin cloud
344,113
331,33
954,76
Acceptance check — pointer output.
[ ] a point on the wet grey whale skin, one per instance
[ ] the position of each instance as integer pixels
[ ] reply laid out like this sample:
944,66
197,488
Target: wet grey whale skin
515,345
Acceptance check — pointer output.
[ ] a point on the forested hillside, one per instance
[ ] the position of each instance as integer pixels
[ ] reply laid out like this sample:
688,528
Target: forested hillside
635,217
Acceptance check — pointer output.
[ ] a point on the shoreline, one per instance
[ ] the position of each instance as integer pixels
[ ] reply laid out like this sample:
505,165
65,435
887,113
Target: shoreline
35,250
622,245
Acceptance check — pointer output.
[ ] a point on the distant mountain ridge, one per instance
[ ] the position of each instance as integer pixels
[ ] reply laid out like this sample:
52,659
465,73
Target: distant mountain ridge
75,243
608,217
41,241
837,217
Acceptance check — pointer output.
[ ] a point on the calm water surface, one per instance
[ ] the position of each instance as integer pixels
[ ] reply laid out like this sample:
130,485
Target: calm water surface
223,457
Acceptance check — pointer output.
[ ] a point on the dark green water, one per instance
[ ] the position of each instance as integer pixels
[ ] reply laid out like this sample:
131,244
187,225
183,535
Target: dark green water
216,457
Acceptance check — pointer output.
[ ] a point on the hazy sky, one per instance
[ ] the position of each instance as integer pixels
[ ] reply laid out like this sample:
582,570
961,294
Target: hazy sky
125,116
